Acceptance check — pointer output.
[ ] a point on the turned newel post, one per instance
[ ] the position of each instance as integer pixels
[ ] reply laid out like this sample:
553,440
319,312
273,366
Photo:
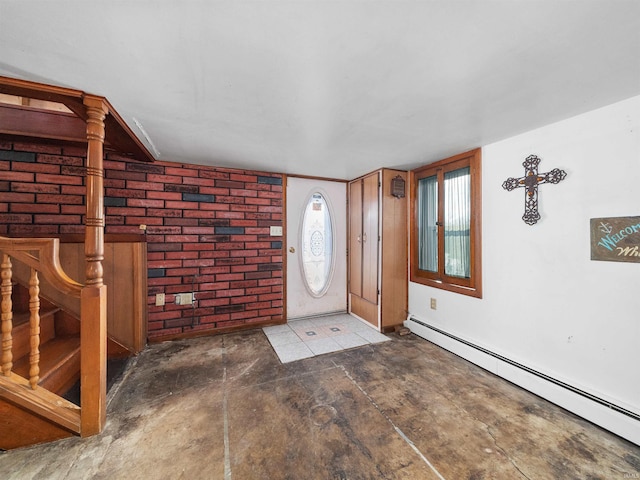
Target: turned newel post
94,239
93,332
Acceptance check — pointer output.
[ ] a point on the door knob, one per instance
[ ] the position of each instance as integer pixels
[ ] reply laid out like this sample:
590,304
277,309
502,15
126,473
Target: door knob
292,250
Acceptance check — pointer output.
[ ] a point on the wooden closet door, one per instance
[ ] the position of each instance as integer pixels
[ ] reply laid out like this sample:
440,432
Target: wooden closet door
370,219
355,238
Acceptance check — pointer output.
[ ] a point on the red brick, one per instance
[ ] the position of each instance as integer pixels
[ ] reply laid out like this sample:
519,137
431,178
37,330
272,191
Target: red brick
114,220
113,183
247,299
230,293
243,315
34,188
31,230
243,178
215,287
197,181
61,160
244,208
124,175
272,195
125,211
123,229
244,268
165,264
164,212
17,176
35,208
147,186
182,205
114,165
183,172
248,223
211,271
72,229
214,191
58,219
213,173
181,238
60,199
74,151
214,302
258,305
35,167
12,197
214,206
10,218
165,195
36,148
144,202
124,193
149,221
154,177
58,179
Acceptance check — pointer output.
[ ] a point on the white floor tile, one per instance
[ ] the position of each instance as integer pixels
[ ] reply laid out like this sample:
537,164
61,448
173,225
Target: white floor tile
350,340
323,345
284,338
372,336
275,329
292,352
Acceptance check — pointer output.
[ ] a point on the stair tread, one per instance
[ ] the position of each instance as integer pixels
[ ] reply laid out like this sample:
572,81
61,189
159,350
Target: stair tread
22,318
53,354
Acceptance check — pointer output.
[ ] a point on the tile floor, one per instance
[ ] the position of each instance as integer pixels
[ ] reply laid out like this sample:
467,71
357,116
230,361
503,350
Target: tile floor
309,337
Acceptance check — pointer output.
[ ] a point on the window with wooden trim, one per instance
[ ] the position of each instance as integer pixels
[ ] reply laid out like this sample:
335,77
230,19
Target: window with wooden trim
446,224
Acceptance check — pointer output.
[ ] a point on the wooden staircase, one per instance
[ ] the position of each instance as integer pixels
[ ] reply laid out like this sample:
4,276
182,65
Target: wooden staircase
59,370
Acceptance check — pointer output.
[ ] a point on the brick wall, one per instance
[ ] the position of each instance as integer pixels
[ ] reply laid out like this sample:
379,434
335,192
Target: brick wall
206,227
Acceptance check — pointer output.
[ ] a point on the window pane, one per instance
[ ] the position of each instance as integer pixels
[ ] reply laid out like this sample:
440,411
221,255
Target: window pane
427,229
457,222
317,245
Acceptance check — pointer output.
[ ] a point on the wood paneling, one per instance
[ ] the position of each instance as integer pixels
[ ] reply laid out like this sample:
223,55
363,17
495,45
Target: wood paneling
124,267
381,220
370,218
355,238
394,265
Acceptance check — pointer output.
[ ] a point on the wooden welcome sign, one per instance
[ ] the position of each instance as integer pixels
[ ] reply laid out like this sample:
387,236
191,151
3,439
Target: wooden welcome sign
615,239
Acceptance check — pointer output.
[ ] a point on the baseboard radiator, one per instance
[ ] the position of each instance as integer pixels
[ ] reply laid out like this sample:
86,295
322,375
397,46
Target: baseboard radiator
600,411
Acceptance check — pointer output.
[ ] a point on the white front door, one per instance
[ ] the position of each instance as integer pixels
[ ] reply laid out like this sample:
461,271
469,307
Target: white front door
316,247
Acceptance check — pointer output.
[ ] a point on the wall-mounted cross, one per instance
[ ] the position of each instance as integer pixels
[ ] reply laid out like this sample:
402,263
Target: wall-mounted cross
530,182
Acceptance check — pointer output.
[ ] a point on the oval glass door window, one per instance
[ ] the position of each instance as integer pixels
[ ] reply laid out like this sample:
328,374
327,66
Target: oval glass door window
317,245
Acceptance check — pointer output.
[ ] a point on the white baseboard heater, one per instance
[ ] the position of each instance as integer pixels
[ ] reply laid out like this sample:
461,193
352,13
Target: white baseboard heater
600,411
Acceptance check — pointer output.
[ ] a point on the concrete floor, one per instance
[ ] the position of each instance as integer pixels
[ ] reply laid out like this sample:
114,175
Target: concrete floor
224,407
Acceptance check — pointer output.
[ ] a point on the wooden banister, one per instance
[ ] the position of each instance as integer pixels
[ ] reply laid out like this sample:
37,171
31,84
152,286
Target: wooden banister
7,317
41,256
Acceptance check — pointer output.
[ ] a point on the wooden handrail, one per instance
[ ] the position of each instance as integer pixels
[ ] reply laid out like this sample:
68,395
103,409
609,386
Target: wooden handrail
41,255
47,261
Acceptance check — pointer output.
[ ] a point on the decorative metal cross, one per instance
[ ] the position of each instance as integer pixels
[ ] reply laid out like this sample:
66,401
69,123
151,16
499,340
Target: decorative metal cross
530,182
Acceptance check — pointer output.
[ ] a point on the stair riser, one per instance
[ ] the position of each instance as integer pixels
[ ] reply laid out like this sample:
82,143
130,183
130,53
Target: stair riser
21,335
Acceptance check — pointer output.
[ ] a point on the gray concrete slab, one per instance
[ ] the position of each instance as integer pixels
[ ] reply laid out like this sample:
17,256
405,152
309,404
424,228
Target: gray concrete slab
224,407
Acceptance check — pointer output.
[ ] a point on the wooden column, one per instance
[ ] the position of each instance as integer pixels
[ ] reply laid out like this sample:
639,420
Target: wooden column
93,335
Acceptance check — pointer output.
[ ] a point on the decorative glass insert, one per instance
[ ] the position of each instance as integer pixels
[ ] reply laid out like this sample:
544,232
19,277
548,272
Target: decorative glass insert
317,245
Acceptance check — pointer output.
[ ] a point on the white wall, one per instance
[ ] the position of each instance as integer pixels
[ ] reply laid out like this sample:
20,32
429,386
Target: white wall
546,304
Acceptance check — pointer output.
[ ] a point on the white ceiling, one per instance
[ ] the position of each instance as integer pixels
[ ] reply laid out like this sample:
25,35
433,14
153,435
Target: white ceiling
329,88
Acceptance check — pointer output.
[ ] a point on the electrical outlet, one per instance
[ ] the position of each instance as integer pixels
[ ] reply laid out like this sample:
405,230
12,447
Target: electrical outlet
275,231
433,304
185,298
159,299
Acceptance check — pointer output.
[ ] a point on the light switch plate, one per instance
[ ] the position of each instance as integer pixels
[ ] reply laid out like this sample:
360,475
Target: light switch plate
275,231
